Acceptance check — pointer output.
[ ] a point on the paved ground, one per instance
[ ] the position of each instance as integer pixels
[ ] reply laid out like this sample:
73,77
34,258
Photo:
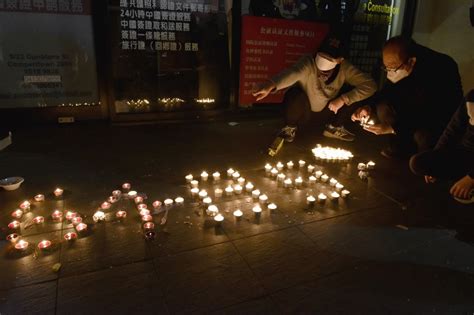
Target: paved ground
396,246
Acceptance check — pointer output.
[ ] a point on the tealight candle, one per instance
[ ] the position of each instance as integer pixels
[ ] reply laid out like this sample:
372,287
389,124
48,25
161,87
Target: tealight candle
212,210
13,238
156,204
148,226
363,175
371,165
263,198
339,186
71,236
361,166
179,200
207,202
116,193
121,214
142,206
345,193
318,174
147,218
312,179
268,168
230,171
334,195
39,197
168,202
289,165
38,220
204,176
311,200
279,166
255,193
322,198
219,218
57,215
81,227
299,182
106,205
272,207
202,194
241,181
257,210
274,172
236,175
189,178
144,212
76,220
194,183
58,192
310,168
194,191
138,199
14,225
249,187
238,214
70,215
126,186
229,191
21,245
324,178
218,192
25,205
281,177
288,183
44,244
301,163
98,216
132,194
17,214
333,182
237,189
216,176
112,199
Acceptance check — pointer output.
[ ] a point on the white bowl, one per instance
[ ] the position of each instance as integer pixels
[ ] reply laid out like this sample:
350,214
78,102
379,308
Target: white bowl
11,183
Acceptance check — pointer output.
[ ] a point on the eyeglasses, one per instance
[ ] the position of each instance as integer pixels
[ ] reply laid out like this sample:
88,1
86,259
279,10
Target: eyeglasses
392,69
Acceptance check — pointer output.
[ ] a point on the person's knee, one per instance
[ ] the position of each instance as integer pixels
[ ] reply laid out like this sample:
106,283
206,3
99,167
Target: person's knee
418,163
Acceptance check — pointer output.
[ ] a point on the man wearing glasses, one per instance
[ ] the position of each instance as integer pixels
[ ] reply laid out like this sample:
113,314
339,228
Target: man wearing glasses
415,106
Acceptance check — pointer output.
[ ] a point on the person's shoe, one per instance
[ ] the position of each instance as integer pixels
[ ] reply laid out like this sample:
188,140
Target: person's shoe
340,133
288,133
466,201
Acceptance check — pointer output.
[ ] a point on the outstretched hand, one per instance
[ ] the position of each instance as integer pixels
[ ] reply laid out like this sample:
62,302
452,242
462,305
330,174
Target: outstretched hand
262,90
462,188
379,129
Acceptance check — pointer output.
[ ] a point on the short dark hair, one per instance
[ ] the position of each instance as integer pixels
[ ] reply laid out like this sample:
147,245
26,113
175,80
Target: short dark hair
405,45
333,45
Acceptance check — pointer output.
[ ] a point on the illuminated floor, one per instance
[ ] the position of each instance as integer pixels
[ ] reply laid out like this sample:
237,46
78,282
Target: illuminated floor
395,246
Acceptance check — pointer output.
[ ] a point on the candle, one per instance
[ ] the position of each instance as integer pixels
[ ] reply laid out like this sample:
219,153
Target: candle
58,192
25,205
236,175
216,176
218,192
148,225
150,235
339,186
318,174
345,193
219,218
207,202
268,168
238,189
44,244
333,182
257,210
279,166
324,178
202,194
322,198
363,175
334,195
310,200
156,204
126,186
299,182
312,179
13,238
371,165
76,220
38,220
249,187
194,191
289,165
138,199
121,214
21,245
272,207
116,193
274,172
142,206
98,216
57,215
230,171
39,197
105,205
179,200
229,191
241,181
14,225
288,183
212,210
331,154
146,218
263,198
70,215
194,184
132,194
168,202
81,227
112,199
144,212
281,177
189,178
71,236
17,214
311,168
301,163
238,214
204,176
361,167
255,193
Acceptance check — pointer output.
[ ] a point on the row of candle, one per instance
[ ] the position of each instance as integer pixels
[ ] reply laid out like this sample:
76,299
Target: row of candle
331,154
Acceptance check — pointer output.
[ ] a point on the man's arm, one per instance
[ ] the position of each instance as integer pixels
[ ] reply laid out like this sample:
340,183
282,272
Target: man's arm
455,128
298,72
364,85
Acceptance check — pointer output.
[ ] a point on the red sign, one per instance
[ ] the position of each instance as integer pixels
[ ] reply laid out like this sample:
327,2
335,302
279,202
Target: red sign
270,45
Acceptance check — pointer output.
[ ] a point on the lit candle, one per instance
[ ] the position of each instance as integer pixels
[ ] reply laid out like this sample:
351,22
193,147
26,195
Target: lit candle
236,175
272,207
361,166
263,198
138,199
238,189
17,214
112,199
312,179
274,172
299,182
255,193
333,182
230,171
202,194
288,183
39,197
13,238
212,210
14,225
98,216
318,174
216,176
322,198
189,178
156,204
76,220
229,191
311,200
219,218
132,194
331,154
144,212
179,200
105,205
218,192
142,206
279,166
25,205
249,187
71,236
116,193
44,244
334,195
121,214
363,175
371,165
241,181
204,176
148,226
339,186
301,163
311,168
57,215
268,168
81,227
70,215
324,178
257,210
345,193
289,165
168,202
21,245
194,183
147,218
58,192
194,191
238,214
207,202
126,186
38,220
281,177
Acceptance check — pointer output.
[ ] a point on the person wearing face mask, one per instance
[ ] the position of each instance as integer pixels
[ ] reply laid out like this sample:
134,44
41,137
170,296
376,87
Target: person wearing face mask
422,92
315,84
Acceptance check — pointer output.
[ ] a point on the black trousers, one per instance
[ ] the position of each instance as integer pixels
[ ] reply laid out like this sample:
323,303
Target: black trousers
298,110
446,163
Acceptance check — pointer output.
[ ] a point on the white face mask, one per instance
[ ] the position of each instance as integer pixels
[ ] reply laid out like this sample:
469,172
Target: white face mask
398,75
324,64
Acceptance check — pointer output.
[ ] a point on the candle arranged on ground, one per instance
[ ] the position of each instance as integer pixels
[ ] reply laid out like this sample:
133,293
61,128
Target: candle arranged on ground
230,171
112,199
218,192
236,175
279,166
204,176
116,193
98,216
218,218
179,200
290,165
194,191
318,174
138,199
331,154
361,166
144,212
272,206
241,181
70,215
257,210
322,197
274,172
25,205
333,182
299,182
207,202
216,176
14,225
21,245
142,206
324,178
126,186
334,195
148,225
188,178
13,238
311,200
345,193
146,218
76,220
57,215
17,214
121,214
44,244
281,177
81,227
168,202
311,168
238,189
194,183
263,198
39,197
339,186
312,179
202,194
238,213
38,220
229,191
301,163
212,210
371,165
255,193
132,194
268,168
156,204
249,187
106,205
58,192
70,236
288,183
